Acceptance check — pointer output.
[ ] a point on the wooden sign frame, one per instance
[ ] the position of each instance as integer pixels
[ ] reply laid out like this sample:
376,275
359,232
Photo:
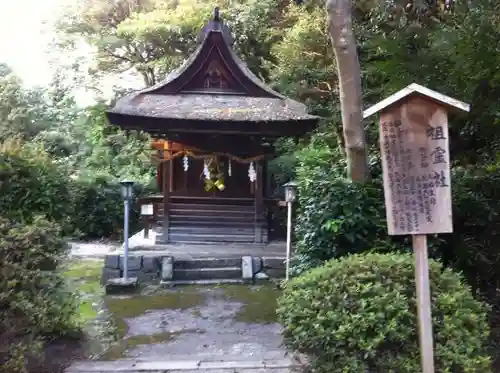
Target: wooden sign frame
414,143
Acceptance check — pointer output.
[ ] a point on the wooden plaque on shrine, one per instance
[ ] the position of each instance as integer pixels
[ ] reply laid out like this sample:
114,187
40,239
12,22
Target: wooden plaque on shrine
414,143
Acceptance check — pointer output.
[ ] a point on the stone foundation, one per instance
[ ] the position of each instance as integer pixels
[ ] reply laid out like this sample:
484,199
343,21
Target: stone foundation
164,268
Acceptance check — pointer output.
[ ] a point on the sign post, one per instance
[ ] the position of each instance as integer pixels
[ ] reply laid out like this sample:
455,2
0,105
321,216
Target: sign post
414,143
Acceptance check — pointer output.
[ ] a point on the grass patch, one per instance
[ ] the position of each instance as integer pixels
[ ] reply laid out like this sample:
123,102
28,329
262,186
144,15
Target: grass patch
84,277
89,270
121,308
259,302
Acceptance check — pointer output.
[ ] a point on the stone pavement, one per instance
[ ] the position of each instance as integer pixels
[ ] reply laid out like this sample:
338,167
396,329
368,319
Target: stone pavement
135,366
221,330
94,249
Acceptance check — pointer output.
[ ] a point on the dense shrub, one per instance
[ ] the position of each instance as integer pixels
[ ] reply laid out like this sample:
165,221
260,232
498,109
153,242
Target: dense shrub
336,217
35,303
98,208
473,247
358,314
31,183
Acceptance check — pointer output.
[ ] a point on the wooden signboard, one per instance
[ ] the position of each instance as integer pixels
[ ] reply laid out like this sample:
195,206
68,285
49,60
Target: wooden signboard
147,210
414,143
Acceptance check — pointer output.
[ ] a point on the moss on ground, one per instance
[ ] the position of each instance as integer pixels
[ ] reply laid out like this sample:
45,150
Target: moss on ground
118,350
121,308
259,302
84,277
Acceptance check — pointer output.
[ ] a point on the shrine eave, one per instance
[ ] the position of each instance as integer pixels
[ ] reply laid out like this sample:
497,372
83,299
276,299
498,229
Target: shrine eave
172,127
209,108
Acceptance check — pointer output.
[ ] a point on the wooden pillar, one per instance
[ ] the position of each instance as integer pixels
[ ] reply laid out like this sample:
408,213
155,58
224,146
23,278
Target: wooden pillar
159,171
268,192
167,169
258,202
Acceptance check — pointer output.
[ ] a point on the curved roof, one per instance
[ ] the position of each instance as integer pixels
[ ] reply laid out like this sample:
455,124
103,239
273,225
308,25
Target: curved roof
212,85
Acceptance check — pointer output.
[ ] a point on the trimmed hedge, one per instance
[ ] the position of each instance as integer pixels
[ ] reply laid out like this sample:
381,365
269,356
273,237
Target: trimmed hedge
358,314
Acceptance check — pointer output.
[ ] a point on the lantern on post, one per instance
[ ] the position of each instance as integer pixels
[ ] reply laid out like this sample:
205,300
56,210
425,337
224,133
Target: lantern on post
290,196
127,194
290,191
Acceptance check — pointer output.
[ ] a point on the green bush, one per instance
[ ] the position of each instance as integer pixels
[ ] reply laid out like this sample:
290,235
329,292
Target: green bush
473,247
336,217
358,314
98,208
36,305
31,183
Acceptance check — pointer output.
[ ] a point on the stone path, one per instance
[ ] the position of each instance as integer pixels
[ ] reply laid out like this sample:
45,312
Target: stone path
94,249
206,336
208,332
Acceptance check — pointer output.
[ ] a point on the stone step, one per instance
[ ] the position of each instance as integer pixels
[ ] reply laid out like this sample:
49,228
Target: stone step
196,263
191,366
208,273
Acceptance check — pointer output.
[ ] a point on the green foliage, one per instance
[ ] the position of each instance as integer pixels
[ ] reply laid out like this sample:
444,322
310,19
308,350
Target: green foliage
358,314
476,223
111,153
31,183
336,216
36,306
18,108
97,206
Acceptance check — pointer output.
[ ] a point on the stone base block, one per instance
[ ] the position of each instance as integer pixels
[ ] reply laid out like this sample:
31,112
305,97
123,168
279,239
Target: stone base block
109,273
247,268
167,268
122,286
134,263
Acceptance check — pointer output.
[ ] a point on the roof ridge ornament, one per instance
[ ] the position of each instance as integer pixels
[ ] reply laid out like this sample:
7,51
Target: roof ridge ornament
216,24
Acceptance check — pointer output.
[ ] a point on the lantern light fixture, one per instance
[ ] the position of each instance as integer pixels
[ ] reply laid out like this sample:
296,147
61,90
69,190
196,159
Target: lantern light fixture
127,187
290,191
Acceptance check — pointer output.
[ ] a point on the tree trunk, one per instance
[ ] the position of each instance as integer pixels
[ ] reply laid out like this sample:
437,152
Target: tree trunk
344,44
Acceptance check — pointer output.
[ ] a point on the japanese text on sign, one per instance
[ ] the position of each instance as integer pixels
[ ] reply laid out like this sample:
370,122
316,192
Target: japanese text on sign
415,160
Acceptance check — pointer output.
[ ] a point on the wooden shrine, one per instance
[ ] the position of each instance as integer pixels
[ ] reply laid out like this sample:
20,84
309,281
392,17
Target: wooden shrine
214,124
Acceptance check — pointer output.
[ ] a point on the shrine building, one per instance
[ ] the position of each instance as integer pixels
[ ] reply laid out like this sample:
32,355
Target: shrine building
214,124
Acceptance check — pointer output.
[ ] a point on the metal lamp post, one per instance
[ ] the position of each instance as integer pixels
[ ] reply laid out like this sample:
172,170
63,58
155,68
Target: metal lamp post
127,186
290,196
